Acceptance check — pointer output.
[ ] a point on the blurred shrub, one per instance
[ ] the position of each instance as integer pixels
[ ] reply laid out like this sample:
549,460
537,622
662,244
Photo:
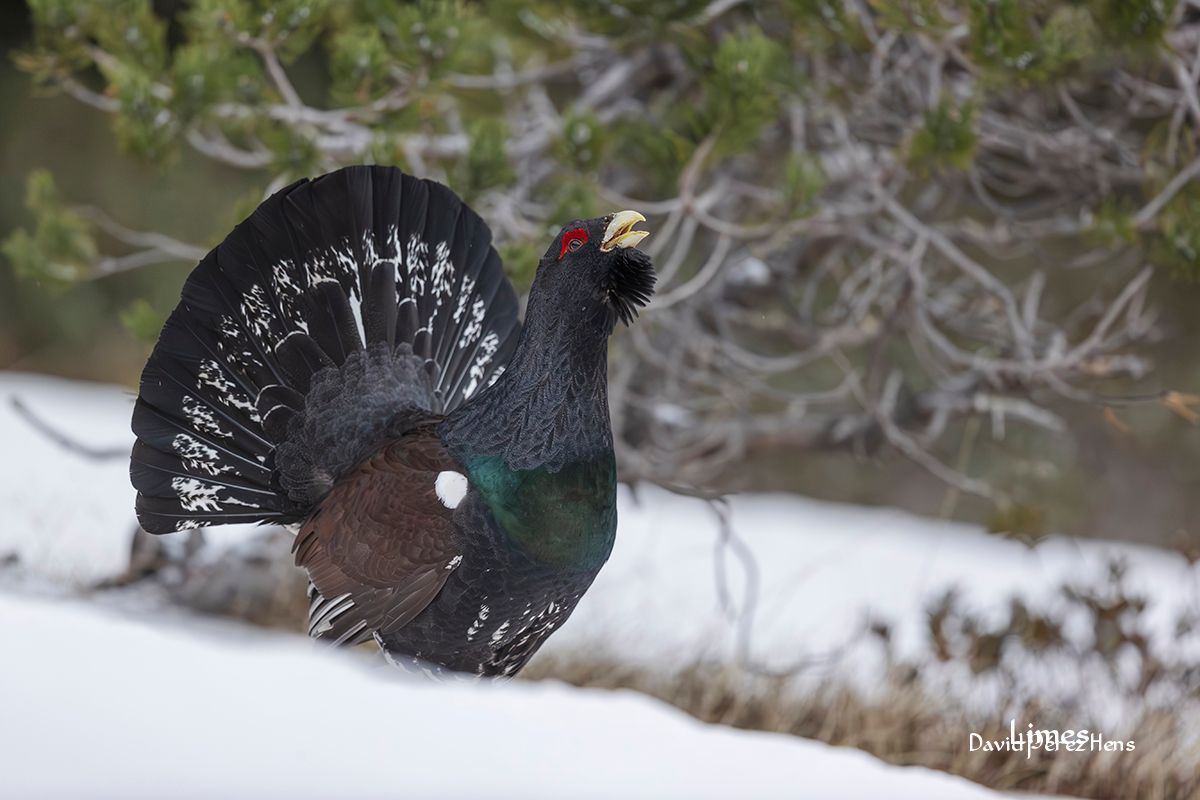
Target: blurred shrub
60,248
946,140
1027,134
394,61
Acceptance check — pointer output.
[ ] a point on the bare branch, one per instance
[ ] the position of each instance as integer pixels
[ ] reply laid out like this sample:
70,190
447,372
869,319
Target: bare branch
63,440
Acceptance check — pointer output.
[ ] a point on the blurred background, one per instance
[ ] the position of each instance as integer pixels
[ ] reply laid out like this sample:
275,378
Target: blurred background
928,255
1032,137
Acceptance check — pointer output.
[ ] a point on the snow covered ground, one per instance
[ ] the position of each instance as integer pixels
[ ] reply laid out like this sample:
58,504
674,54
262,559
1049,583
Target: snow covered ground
67,517
798,579
802,579
815,568
95,705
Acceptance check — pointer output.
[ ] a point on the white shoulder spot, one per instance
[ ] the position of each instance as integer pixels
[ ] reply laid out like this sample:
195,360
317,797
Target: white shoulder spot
451,488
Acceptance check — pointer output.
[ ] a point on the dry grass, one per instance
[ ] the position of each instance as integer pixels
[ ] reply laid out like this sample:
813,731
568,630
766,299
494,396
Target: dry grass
908,726
906,720
915,714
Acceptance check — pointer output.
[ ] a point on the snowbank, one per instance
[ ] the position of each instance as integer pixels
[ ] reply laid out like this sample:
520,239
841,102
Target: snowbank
68,517
798,581
804,576
97,705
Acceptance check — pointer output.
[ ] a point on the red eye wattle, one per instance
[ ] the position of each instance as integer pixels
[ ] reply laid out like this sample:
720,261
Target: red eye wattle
573,240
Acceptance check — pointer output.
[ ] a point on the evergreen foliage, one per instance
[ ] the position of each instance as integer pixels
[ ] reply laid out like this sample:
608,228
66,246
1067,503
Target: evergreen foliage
398,68
839,185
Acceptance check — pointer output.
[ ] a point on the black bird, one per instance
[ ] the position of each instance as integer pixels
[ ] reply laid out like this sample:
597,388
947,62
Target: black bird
349,362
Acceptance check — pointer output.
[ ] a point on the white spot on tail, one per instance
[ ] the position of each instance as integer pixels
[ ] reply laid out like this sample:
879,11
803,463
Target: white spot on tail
202,418
256,312
197,456
451,488
416,263
230,395
487,349
196,495
474,325
465,293
443,272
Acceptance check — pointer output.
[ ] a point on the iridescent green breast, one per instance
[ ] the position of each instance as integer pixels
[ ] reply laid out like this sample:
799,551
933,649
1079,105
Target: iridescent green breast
565,518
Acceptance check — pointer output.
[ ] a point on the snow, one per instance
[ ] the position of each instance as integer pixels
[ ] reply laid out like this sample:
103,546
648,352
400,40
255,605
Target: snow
818,568
99,705
67,517
798,580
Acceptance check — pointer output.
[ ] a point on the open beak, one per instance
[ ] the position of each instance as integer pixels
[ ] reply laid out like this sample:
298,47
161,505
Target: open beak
620,232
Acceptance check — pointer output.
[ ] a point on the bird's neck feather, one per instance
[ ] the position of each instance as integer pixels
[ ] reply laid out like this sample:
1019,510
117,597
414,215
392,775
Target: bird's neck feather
550,407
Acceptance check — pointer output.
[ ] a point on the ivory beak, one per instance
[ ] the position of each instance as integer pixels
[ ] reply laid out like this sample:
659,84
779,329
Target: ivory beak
620,232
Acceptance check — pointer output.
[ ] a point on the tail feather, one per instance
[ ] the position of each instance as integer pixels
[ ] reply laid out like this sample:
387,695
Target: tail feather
380,312
161,470
185,390
228,322
331,322
476,351
300,358
337,306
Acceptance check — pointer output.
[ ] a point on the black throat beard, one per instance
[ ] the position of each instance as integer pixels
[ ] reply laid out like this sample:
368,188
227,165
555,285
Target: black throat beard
631,283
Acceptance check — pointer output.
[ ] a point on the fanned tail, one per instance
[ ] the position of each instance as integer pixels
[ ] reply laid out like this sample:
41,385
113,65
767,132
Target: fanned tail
339,309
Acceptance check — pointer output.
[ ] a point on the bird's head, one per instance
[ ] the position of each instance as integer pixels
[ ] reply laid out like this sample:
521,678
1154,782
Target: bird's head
593,266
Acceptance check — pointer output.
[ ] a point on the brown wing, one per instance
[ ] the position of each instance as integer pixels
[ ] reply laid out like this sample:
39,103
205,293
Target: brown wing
381,544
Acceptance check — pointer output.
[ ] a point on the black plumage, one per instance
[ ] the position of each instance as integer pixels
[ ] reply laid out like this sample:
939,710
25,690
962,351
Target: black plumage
349,360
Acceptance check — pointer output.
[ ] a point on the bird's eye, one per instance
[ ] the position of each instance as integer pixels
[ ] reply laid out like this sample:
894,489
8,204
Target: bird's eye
573,240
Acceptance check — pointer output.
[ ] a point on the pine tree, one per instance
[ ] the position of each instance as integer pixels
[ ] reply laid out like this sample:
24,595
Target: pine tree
836,189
